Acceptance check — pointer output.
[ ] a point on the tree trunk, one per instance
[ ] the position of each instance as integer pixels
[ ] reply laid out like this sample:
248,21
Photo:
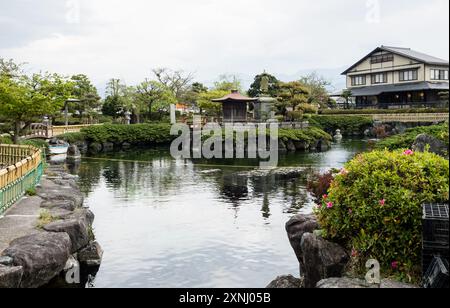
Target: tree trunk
16,132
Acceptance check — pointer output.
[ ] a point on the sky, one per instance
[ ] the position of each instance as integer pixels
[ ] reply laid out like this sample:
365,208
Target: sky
288,38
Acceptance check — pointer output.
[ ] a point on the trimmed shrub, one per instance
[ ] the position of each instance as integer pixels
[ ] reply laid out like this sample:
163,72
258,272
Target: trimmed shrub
309,134
318,185
5,140
407,139
73,137
374,207
134,134
348,125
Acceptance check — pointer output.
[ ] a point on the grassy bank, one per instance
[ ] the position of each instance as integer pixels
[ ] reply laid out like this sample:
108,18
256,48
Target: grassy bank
405,140
354,125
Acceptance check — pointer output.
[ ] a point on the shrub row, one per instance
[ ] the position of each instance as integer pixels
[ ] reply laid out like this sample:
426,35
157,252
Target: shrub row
407,139
374,207
348,125
133,134
310,134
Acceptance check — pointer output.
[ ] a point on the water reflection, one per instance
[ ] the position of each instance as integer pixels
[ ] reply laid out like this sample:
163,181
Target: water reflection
167,223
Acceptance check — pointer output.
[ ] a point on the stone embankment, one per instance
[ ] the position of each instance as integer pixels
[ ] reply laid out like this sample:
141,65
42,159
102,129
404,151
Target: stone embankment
322,263
46,235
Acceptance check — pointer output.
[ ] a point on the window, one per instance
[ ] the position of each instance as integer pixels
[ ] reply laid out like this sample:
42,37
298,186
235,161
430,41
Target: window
358,80
408,75
439,74
379,78
382,58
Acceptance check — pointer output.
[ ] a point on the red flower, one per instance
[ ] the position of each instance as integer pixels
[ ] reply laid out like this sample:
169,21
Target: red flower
394,265
330,205
382,202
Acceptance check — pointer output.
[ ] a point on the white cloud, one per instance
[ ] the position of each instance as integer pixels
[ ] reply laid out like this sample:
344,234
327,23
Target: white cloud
126,39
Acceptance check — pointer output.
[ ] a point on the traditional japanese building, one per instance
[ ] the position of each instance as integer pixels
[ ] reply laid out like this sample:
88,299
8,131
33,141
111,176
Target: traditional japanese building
393,77
234,106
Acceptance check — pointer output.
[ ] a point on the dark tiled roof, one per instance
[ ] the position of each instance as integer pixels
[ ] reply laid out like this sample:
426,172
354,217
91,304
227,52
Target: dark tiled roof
234,96
406,52
418,86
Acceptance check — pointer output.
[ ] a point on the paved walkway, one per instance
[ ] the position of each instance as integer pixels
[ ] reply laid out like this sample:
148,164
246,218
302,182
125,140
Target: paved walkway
20,220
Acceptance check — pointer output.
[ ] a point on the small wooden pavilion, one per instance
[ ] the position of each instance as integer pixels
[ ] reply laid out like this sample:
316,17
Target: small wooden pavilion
234,106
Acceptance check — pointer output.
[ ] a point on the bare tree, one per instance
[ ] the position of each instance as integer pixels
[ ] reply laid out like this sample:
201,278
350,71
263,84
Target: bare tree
178,82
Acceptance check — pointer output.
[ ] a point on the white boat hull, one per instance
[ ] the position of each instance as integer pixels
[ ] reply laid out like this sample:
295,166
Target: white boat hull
58,150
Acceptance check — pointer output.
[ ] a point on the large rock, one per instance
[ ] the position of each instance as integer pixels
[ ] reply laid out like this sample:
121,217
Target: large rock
42,257
91,255
301,145
77,229
290,146
73,151
321,259
354,283
425,141
343,283
58,194
10,277
295,228
286,282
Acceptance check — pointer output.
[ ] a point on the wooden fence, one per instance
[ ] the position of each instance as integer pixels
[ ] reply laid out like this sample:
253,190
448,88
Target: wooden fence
21,168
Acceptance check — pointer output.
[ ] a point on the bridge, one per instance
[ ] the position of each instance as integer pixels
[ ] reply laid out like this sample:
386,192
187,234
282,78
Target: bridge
44,131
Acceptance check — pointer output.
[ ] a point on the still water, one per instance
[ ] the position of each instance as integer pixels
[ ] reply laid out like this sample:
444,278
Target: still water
168,223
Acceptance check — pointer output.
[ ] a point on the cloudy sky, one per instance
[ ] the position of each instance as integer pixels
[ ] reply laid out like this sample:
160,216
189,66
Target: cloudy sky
127,38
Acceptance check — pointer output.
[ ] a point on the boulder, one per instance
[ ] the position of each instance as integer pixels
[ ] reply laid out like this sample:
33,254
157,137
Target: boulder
42,257
435,145
354,283
301,145
343,283
10,277
296,227
321,259
6,261
286,282
84,214
290,146
73,151
91,255
281,146
66,205
391,284
61,196
77,229
108,147
95,148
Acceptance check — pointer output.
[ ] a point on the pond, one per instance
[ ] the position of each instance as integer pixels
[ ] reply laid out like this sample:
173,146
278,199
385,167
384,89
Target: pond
202,224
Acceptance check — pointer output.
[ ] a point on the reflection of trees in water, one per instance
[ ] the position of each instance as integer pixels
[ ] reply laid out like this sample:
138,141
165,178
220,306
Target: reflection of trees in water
158,177
234,188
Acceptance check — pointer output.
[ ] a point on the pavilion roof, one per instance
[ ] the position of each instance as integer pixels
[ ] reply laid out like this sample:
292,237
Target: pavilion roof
234,96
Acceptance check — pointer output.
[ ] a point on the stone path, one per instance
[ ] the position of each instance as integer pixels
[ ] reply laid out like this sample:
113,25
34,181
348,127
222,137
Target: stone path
20,220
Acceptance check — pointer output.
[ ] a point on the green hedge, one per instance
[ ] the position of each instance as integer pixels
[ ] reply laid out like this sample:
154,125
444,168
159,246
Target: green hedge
383,111
5,140
374,207
309,135
407,139
348,125
133,134
73,137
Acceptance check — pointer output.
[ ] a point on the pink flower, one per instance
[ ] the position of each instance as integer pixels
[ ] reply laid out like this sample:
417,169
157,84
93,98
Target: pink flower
408,153
343,171
330,205
318,206
350,211
354,253
394,265
324,197
382,202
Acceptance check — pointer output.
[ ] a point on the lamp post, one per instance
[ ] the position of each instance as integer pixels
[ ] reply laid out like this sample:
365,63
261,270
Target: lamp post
127,117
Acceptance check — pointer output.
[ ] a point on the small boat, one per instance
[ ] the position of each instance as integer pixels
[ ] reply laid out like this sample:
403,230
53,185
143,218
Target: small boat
57,148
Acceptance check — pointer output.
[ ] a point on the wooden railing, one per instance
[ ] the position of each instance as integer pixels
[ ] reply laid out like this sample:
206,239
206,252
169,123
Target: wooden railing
40,130
21,168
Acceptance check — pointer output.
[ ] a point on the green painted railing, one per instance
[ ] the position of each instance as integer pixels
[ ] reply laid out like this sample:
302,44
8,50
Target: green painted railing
21,176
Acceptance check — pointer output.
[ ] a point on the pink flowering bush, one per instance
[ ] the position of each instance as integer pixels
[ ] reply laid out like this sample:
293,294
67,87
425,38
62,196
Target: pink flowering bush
374,206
